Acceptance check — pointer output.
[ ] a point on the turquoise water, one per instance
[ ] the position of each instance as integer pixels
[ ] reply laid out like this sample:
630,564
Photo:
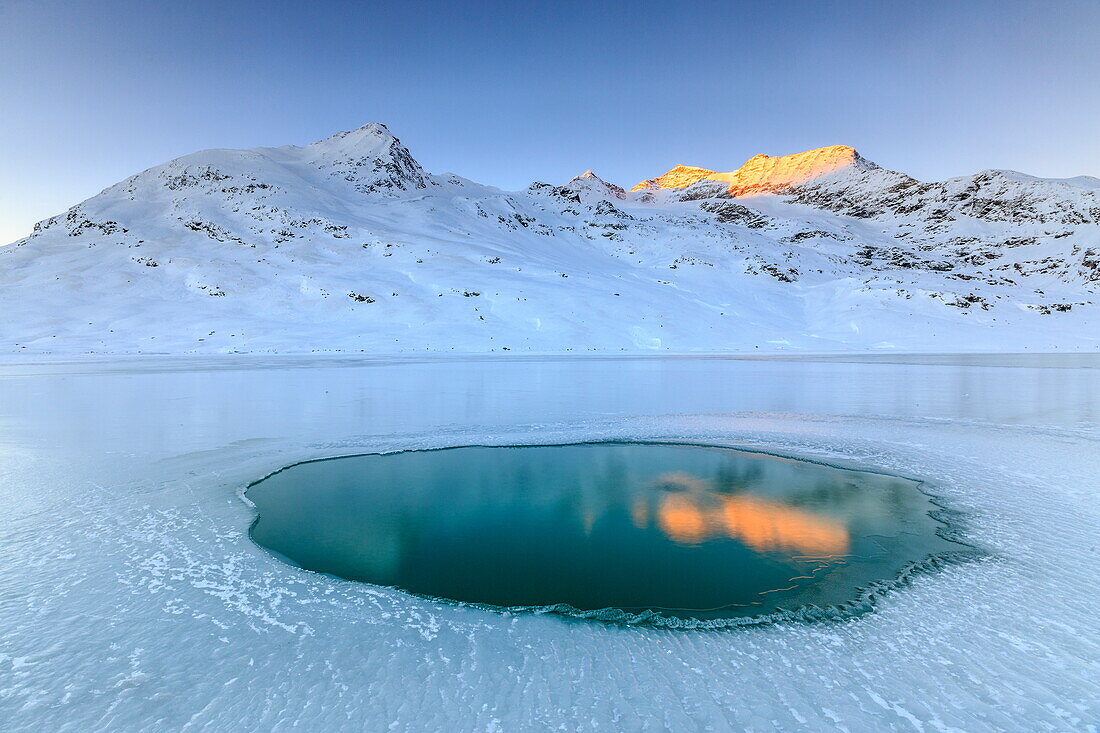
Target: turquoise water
687,532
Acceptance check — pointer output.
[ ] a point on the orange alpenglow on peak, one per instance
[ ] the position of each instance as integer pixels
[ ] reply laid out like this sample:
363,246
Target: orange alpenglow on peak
763,173
681,176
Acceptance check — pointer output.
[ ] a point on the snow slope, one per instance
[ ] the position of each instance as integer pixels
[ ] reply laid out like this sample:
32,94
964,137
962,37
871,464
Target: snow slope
347,244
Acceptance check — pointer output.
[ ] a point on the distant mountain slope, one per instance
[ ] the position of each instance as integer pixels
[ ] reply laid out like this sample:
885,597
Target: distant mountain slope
349,245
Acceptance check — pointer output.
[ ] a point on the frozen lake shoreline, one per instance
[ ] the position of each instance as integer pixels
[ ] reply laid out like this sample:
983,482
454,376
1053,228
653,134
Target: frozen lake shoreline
134,597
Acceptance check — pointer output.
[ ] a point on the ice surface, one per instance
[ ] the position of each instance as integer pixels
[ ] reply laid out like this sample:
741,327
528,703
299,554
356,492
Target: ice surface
131,597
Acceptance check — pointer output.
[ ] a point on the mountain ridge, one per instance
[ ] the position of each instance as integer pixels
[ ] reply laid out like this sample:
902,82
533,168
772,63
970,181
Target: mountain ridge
347,244
764,173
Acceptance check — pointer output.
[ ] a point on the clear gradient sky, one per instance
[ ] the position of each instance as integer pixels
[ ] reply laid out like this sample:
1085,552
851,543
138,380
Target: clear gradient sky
510,92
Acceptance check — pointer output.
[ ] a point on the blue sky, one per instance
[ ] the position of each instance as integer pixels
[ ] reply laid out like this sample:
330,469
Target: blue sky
510,92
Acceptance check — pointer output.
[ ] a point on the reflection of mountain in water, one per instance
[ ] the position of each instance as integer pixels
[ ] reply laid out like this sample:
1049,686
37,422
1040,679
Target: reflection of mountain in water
762,524
688,510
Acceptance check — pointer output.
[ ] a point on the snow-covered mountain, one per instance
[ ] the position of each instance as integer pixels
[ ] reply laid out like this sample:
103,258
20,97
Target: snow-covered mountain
349,245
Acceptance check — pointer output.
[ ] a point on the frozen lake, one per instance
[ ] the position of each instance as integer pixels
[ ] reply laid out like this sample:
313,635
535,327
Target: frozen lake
131,596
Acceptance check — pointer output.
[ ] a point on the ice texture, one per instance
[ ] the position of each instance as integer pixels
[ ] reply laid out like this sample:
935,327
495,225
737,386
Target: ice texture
131,597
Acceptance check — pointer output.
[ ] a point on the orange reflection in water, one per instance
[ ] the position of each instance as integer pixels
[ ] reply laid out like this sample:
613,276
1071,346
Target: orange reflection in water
764,525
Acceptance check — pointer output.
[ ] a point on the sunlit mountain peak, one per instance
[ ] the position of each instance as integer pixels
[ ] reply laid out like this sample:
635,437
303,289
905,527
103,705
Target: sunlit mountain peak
764,173
680,176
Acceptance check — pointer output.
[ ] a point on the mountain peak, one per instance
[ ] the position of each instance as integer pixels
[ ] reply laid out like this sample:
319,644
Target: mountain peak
831,157
371,158
679,176
590,177
590,182
370,135
765,173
